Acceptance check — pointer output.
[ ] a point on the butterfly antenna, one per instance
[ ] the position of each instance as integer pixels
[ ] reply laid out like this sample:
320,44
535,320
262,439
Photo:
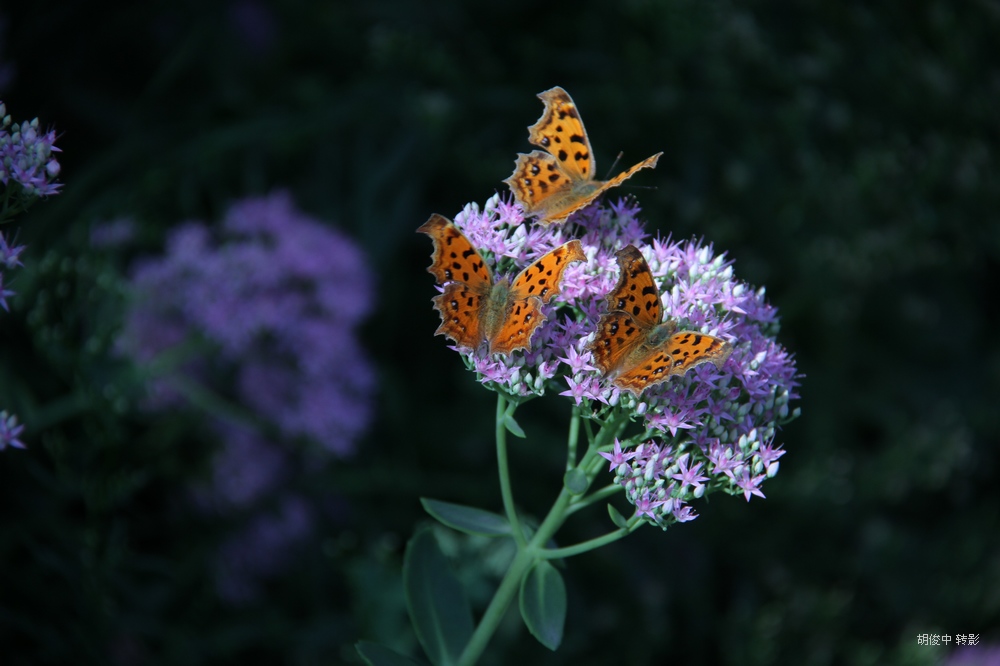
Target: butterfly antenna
612,169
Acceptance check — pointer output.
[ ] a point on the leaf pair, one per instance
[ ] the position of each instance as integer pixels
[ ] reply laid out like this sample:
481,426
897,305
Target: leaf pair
438,609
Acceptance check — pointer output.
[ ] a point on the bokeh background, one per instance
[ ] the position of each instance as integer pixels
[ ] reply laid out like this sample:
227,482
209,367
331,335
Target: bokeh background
844,154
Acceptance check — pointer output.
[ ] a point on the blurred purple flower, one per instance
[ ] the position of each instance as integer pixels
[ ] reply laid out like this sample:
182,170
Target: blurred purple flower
10,431
280,296
245,469
975,655
10,255
4,295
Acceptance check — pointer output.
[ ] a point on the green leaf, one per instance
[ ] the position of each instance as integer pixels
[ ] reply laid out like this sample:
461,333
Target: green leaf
378,655
513,426
438,608
616,517
467,519
543,604
576,481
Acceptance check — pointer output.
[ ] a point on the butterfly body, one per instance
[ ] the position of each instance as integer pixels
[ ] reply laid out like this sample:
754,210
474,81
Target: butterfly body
555,184
632,346
474,308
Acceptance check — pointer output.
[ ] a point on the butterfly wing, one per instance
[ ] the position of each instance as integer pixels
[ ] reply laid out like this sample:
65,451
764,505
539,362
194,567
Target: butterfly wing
523,319
560,131
454,259
460,306
457,264
636,292
537,284
678,354
688,349
603,186
543,277
618,336
540,185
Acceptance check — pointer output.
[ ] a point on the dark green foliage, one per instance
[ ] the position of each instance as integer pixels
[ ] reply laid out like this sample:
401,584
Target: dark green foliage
847,155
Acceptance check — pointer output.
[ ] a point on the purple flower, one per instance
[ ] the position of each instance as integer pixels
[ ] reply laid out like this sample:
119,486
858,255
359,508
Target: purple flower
279,296
4,295
245,469
617,457
10,255
10,431
711,429
26,156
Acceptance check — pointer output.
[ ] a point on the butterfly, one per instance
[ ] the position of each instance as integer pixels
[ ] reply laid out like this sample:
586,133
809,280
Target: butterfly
632,346
474,308
555,184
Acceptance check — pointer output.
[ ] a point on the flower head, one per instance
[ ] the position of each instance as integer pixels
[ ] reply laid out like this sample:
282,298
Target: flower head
279,296
710,429
26,156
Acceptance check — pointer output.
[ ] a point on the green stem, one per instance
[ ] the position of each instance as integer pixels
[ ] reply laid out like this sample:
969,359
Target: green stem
584,546
596,496
534,550
574,436
504,469
498,607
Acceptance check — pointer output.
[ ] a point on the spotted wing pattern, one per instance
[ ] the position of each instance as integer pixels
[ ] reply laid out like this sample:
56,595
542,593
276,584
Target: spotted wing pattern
456,264
555,184
538,283
560,132
678,354
454,259
544,276
523,319
460,306
636,292
632,346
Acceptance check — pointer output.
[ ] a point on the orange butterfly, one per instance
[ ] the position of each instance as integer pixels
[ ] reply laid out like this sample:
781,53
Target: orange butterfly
473,308
632,345
556,184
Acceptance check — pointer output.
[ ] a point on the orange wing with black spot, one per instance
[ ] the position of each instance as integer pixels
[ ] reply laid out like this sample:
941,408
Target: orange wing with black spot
543,277
636,292
454,259
554,185
538,283
618,336
456,264
632,346
460,306
678,354
560,131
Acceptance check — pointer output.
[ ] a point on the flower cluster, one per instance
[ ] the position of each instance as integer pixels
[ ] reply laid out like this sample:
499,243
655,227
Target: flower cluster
26,156
10,258
276,297
248,476
27,171
710,429
279,297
